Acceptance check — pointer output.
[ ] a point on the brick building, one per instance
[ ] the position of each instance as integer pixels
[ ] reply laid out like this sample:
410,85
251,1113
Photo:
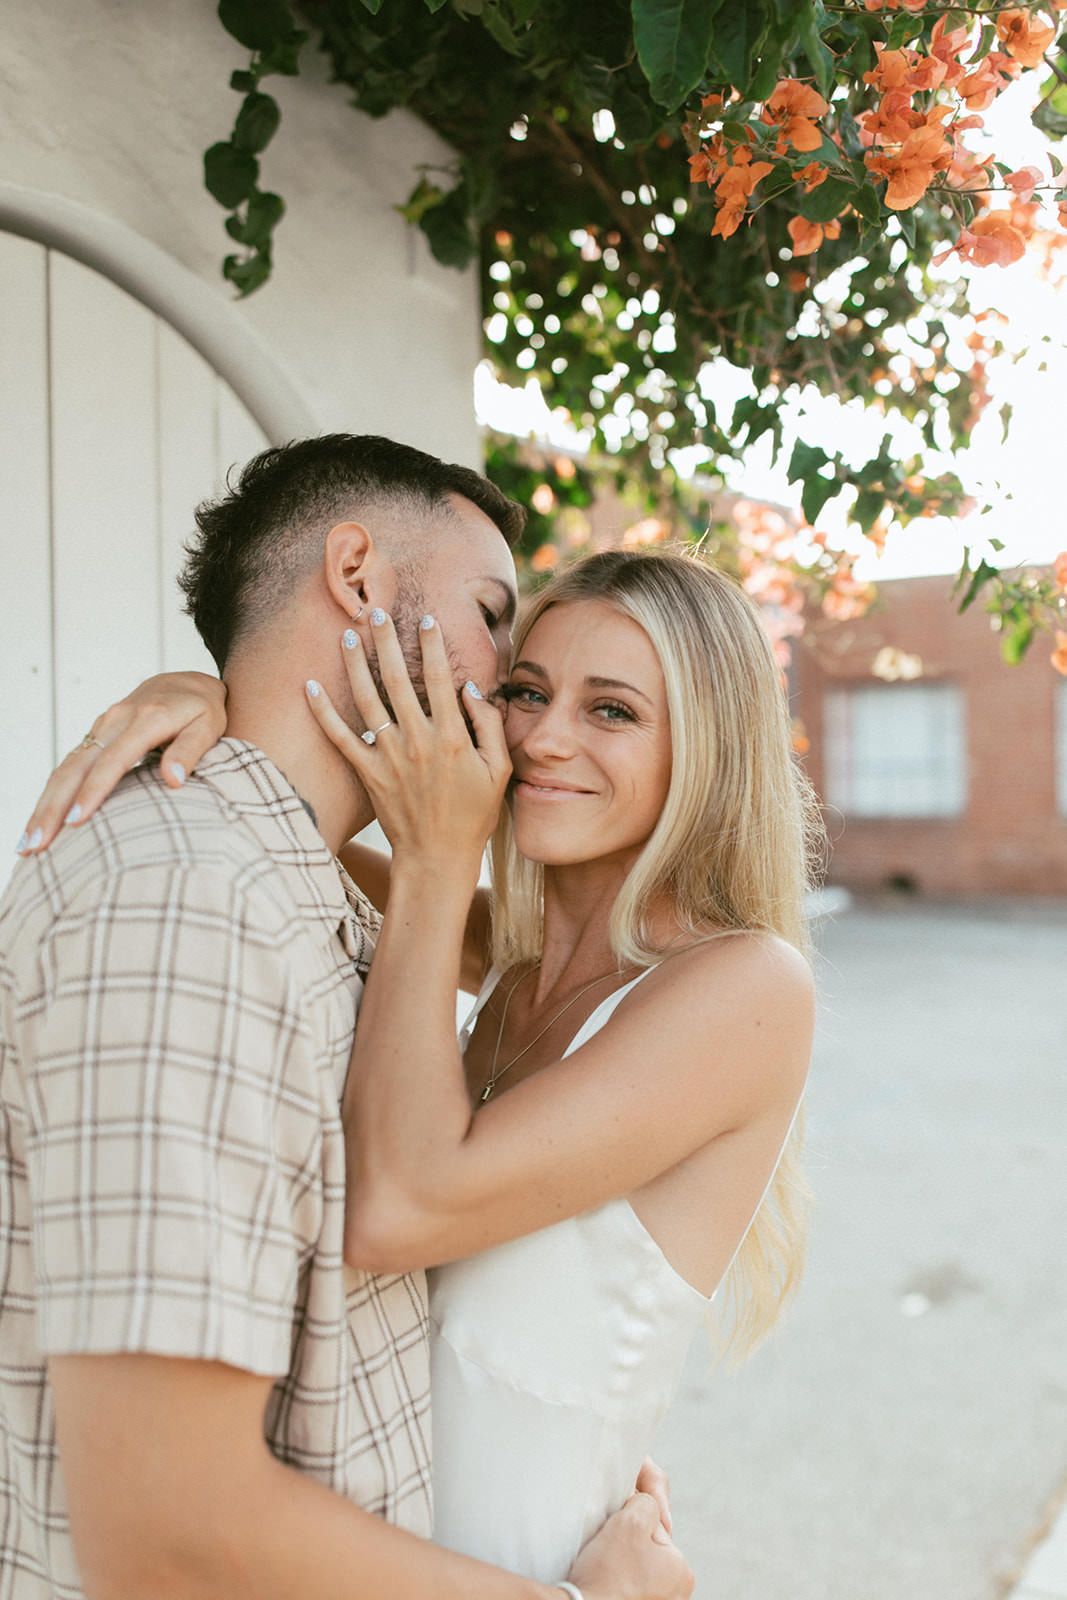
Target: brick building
941,769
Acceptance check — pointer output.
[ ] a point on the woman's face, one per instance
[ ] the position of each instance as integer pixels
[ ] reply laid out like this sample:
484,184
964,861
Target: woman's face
589,736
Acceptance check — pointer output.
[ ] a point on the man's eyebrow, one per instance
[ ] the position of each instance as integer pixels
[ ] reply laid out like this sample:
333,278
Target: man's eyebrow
511,599
594,683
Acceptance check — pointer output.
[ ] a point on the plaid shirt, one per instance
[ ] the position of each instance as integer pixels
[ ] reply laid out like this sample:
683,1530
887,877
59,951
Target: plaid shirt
178,987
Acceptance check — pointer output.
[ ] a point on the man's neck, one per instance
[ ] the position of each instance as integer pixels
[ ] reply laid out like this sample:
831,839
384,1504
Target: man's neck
277,721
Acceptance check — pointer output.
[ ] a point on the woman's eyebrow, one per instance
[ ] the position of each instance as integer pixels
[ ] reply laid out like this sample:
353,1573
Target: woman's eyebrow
617,683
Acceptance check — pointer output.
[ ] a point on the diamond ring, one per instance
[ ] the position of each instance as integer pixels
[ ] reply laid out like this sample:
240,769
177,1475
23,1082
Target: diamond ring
372,733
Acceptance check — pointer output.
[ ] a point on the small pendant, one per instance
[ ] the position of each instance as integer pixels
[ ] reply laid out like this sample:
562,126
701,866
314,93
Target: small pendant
486,1092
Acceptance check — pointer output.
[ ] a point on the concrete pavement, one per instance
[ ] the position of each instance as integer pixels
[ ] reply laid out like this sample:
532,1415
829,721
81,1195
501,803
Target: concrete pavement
904,1437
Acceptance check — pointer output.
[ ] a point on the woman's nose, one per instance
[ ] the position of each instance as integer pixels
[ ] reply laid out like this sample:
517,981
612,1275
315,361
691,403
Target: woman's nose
552,734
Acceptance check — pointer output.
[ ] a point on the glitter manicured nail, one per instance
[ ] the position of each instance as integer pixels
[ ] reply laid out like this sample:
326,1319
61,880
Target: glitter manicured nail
35,838
313,688
474,691
23,842
350,638
426,624
377,616
74,814
178,771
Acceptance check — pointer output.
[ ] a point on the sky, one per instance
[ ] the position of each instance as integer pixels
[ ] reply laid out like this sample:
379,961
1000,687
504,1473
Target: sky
1018,478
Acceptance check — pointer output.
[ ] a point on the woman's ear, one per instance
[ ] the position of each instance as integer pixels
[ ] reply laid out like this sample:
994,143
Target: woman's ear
349,561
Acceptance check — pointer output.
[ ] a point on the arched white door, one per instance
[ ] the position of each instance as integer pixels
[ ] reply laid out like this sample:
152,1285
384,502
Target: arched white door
112,427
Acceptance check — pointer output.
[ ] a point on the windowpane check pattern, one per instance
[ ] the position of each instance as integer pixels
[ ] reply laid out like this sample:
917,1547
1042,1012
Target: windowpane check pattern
178,988
896,750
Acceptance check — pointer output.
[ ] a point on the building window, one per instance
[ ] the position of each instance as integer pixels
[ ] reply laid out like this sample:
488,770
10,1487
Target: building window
896,750
1061,749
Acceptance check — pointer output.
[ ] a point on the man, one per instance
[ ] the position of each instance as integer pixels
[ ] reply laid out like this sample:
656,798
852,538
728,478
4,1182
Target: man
197,1399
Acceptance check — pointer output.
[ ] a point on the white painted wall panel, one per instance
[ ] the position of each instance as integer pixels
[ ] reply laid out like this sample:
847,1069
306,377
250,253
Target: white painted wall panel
26,684
105,495
188,471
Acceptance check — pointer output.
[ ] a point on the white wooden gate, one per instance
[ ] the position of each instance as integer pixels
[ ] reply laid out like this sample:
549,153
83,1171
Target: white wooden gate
112,427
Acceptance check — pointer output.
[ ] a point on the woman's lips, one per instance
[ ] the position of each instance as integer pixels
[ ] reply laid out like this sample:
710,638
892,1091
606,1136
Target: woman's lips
549,791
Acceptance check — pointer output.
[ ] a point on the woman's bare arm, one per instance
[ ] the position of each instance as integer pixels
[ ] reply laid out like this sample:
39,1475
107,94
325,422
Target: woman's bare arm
371,868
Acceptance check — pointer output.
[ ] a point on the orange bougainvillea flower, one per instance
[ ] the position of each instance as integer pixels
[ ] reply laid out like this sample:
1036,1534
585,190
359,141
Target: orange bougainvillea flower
990,241
1059,655
812,175
947,44
925,152
734,189
544,558
792,108
808,236
1024,182
980,88
1022,40
1060,569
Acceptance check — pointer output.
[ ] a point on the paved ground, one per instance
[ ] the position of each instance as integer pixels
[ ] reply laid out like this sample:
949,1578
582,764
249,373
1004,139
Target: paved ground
905,1436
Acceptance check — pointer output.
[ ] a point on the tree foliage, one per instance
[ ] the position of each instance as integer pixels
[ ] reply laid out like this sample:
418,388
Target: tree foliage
652,185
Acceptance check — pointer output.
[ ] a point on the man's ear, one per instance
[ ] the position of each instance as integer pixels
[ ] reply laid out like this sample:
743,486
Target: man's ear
351,562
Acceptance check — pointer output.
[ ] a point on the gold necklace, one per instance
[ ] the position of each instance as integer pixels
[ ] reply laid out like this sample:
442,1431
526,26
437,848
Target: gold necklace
495,1076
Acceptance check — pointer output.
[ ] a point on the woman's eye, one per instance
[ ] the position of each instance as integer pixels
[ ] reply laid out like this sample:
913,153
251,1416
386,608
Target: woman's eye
615,711
521,694
491,618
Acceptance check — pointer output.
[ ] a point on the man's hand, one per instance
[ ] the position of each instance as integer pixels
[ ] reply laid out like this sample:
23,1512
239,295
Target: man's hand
633,1558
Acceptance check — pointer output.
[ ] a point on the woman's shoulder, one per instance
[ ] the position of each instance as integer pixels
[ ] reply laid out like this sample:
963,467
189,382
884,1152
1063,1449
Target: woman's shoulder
742,962
746,992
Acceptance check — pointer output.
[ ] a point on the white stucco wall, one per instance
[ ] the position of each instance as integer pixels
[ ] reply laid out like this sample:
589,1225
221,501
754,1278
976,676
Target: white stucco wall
111,103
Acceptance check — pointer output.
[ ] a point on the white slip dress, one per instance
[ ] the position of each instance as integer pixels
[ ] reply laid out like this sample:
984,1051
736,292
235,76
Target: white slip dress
553,1359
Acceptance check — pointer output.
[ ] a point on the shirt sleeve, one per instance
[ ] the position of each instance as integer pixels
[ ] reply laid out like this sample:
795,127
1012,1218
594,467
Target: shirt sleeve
175,1124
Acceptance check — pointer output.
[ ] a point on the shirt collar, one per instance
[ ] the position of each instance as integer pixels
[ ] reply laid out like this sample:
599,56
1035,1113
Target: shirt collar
257,792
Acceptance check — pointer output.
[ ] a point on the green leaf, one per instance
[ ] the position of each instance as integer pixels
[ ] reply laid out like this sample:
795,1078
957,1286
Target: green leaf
865,201
806,461
1049,120
867,508
735,39
905,27
246,274
243,82
373,6
809,21
230,174
1016,640
265,211
283,57
815,494
435,5
424,195
827,201
257,24
673,38
981,575
448,229
907,220
257,122
997,544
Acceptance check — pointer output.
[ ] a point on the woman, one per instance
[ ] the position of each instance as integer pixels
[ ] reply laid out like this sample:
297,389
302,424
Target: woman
617,1128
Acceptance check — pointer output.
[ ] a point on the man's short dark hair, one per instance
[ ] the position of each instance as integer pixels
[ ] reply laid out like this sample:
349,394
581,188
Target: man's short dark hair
258,541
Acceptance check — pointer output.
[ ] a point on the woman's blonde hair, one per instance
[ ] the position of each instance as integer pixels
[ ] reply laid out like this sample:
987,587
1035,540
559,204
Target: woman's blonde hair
732,847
